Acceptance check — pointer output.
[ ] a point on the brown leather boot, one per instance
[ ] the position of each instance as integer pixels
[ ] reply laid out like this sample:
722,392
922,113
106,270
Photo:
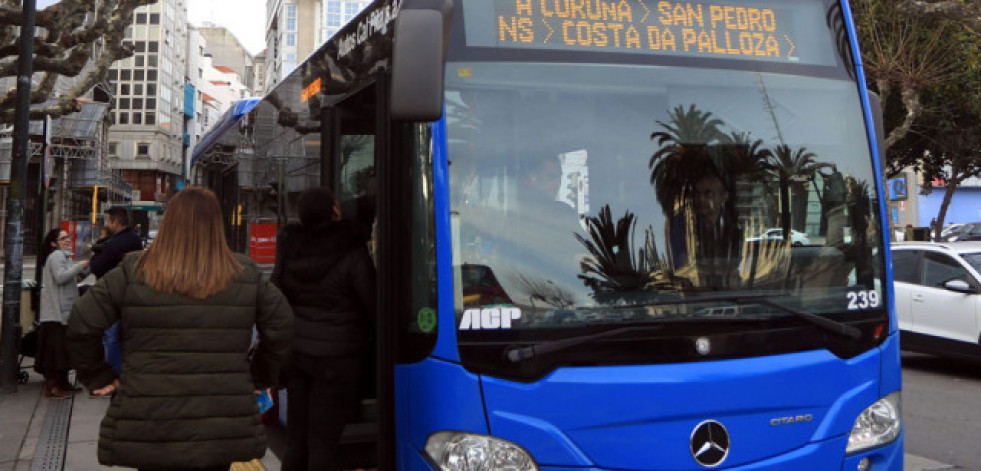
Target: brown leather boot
51,390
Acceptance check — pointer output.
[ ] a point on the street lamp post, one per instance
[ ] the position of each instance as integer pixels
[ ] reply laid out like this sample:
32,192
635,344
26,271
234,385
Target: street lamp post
14,244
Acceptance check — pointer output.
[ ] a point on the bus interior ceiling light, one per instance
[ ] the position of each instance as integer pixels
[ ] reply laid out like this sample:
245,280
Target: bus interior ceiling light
458,451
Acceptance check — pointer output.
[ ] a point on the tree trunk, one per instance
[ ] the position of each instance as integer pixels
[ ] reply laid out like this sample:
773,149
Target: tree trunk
948,196
799,207
785,206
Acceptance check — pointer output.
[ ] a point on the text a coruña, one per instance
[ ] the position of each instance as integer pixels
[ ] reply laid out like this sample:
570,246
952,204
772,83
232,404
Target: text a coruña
670,26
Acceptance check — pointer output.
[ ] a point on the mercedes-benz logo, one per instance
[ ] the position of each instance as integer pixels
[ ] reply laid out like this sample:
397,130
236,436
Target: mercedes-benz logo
710,443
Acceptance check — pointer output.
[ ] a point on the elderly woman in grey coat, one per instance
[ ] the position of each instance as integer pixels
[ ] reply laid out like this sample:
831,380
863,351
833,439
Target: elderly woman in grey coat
58,292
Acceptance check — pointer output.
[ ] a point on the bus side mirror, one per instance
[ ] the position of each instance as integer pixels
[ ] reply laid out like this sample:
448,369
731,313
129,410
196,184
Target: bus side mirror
418,62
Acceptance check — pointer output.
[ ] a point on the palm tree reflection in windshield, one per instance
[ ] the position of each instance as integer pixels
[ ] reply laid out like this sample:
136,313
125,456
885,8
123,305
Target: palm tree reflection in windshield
698,173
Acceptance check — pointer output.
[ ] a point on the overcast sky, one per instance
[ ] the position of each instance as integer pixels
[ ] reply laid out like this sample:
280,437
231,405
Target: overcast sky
246,19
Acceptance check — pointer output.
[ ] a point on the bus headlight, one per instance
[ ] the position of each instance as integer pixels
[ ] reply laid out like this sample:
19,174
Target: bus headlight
457,451
877,425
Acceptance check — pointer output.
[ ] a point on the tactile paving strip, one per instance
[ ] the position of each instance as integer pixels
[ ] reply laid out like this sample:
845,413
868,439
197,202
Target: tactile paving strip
53,442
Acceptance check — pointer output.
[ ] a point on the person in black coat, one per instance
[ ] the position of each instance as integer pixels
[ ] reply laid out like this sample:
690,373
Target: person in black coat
325,270
123,240
707,235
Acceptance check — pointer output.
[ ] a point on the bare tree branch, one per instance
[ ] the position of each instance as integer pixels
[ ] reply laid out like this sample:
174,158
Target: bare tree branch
74,38
911,101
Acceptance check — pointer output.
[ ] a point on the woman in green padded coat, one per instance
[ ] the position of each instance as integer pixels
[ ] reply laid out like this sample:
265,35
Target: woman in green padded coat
185,397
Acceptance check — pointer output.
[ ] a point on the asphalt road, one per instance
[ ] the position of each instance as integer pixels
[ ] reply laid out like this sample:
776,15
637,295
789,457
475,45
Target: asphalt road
941,400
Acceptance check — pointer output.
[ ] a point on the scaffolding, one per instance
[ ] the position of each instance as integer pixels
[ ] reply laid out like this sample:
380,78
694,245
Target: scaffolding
70,160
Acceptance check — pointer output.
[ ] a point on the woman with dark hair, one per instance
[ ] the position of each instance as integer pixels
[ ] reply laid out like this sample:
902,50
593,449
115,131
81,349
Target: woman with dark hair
324,269
58,292
186,394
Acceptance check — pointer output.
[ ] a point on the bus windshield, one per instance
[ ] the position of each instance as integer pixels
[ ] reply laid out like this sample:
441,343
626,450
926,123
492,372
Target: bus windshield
585,195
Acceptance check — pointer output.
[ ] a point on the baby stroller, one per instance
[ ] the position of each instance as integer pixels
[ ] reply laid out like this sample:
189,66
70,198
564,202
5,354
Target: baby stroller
26,348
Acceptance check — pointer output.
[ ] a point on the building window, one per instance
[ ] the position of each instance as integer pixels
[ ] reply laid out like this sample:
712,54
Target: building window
138,60
153,46
138,75
291,39
140,46
124,89
151,103
290,17
125,74
151,118
141,18
113,149
123,103
137,88
151,75
142,149
123,118
137,118
154,18
137,103
151,89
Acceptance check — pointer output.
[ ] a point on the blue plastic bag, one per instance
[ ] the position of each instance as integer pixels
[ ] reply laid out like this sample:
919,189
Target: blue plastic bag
264,401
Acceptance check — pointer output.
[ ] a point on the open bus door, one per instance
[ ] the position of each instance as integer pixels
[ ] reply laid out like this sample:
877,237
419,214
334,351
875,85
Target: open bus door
381,171
349,169
376,155
377,158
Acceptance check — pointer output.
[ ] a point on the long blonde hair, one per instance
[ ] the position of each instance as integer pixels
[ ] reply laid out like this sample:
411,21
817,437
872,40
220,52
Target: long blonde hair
189,256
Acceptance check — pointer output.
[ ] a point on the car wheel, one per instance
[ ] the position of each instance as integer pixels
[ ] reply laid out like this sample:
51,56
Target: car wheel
797,244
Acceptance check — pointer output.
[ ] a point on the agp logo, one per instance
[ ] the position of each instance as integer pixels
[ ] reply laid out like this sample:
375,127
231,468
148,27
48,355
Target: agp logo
489,318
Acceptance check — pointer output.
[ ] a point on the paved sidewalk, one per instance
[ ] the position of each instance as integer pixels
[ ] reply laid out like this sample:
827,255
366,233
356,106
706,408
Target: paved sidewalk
22,418
21,415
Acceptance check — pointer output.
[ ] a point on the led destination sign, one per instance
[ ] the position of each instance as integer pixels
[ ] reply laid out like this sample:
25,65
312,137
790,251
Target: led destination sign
794,32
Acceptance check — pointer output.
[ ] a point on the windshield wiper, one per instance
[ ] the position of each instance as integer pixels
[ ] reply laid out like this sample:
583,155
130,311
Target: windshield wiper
766,299
828,324
518,354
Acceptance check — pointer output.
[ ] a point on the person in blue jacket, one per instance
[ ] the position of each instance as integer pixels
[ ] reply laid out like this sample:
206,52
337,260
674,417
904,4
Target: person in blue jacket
123,240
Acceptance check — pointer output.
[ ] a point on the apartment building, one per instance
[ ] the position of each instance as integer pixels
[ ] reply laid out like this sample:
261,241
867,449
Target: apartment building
146,143
226,50
337,13
296,28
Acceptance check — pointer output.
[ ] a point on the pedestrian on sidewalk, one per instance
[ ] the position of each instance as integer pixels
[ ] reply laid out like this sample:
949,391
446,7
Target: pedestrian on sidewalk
324,269
58,292
186,396
123,240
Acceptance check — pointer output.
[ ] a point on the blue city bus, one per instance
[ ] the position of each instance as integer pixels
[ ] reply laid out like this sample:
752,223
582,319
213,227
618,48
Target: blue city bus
609,234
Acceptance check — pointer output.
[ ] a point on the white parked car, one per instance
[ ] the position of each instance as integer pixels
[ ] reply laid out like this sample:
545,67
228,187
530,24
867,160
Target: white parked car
797,238
938,297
